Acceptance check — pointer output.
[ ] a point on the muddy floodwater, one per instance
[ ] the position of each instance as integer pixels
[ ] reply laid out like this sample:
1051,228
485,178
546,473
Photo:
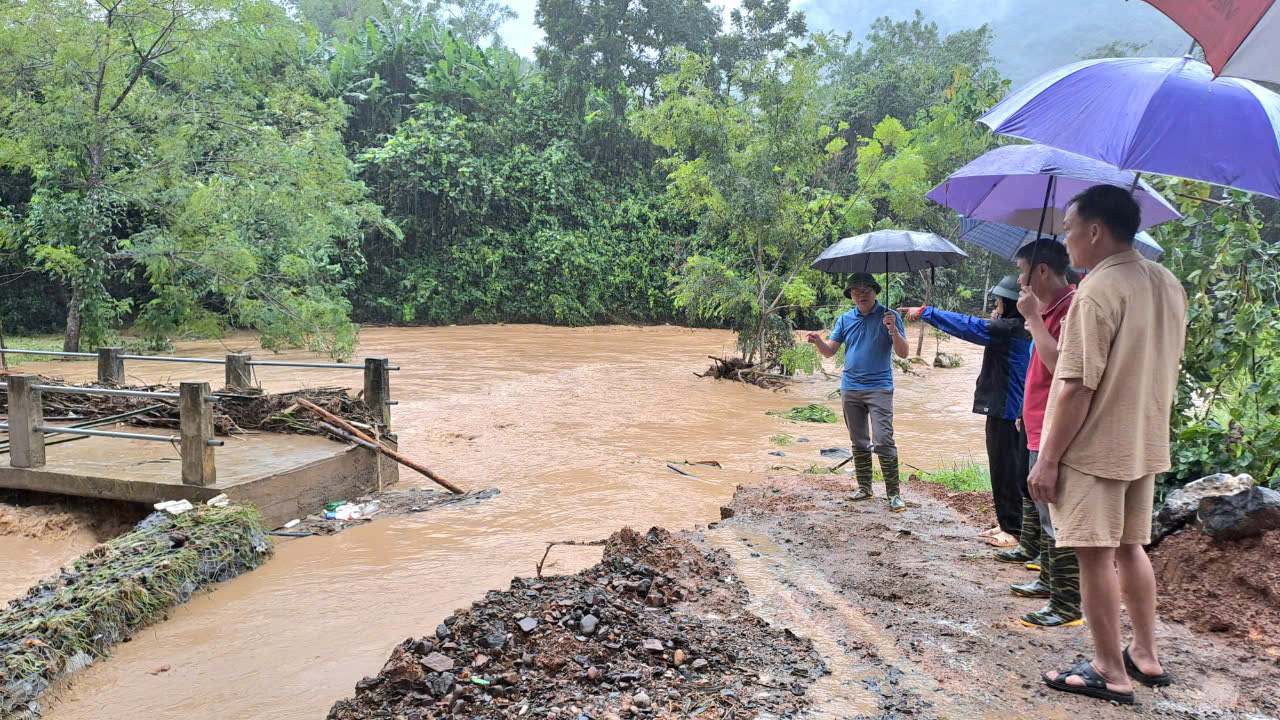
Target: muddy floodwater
575,426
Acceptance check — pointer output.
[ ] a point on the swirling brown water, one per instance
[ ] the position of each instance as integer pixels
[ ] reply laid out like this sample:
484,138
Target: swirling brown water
575,426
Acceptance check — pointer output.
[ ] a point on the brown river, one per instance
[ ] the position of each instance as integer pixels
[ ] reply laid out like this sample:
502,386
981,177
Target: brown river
575,426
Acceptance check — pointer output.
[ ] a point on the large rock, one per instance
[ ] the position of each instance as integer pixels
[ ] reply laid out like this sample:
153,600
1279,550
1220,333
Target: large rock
1181,506
1248,513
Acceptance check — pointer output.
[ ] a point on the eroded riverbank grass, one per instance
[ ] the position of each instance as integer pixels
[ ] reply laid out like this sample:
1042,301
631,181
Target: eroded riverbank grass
69,621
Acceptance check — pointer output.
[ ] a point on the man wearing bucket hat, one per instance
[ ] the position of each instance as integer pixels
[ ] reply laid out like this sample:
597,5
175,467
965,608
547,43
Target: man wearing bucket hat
871,333
998,395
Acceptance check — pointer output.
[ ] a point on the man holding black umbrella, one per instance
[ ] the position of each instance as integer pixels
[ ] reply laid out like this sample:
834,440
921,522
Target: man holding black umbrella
871,334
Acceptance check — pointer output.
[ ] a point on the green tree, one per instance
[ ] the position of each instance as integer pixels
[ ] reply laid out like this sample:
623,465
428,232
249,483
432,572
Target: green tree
757,29
1226,415
183,143
761,170
903,68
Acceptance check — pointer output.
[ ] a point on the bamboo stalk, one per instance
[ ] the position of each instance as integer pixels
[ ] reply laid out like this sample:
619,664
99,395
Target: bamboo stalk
379,447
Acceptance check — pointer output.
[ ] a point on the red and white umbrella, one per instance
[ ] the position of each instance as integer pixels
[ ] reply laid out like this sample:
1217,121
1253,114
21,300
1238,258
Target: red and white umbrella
1241,38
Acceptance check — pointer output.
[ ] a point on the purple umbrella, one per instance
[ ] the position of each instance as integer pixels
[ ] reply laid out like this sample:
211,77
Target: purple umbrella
1030,186
1158,115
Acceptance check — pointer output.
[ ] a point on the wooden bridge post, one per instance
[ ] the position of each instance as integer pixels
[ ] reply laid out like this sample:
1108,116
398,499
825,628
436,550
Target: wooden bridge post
110,366
26,411
239,374
377,389
196,421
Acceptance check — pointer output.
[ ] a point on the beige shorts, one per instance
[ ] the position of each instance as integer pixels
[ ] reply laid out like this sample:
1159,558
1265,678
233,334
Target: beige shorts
1100,512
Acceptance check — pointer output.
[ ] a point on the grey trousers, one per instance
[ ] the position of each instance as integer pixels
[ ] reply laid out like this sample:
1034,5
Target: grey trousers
1042,508
869,414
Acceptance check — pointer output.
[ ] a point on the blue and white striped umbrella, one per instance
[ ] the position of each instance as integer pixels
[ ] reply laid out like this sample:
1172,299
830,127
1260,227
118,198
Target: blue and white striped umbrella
1005,240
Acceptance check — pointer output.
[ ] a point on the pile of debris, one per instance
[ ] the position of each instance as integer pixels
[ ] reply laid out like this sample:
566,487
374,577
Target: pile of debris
68,622
658,629
235,411
739,369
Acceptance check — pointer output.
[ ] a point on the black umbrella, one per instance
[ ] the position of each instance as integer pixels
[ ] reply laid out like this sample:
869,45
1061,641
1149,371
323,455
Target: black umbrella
889,251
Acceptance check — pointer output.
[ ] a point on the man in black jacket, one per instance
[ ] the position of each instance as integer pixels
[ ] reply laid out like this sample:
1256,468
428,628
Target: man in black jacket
998,395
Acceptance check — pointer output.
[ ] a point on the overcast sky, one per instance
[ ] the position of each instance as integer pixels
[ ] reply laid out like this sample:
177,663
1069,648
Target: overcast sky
1031,36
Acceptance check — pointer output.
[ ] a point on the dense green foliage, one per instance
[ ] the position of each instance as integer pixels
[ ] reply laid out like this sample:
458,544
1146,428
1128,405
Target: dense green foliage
184,167
1227,412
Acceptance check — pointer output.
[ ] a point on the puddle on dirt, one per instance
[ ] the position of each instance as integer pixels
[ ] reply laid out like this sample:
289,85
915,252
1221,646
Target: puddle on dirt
575,426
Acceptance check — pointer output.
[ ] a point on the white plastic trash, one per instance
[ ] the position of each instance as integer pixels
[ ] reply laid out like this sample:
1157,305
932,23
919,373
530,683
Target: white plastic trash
218,501
176,507
291,523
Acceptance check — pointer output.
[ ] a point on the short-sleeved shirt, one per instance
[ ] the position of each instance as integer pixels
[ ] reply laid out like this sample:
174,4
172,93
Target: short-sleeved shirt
1123,339
868,349
1039,377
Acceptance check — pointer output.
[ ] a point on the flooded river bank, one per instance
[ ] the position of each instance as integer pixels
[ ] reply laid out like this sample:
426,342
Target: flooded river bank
575,426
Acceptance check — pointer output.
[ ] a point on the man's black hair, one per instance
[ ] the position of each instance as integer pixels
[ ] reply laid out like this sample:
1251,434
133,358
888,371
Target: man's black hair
1112,206
1047,251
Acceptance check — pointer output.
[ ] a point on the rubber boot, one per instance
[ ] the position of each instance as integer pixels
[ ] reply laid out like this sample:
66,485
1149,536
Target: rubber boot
1030,537
889,468
1063,609
862,470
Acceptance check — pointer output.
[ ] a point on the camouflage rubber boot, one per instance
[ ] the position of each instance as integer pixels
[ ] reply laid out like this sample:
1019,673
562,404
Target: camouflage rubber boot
1063,609
1030,539
1065,581
862,470
889,468
1042,585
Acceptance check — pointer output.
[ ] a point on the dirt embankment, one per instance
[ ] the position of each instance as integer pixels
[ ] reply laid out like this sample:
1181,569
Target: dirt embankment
657,629
925,617
56,517
1232,588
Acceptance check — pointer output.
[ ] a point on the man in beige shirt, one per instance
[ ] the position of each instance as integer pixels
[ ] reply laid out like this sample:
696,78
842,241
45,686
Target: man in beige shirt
1107,435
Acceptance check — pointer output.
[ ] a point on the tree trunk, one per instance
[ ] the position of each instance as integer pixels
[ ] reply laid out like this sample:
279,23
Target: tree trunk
986,283
928,296
71,340
4,362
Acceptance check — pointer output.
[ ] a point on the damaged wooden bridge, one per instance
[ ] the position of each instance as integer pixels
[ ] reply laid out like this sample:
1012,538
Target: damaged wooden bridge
285,475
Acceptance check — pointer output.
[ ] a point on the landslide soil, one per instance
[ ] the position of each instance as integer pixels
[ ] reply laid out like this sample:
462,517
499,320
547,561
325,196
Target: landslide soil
1226,587
925,626
657,629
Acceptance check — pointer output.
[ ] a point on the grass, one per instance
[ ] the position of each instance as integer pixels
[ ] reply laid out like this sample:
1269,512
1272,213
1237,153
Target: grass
781,440
46,342
965,477
69,621
808,413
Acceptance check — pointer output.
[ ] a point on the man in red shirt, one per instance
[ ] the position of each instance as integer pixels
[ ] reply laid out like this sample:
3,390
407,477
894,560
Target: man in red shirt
1046,297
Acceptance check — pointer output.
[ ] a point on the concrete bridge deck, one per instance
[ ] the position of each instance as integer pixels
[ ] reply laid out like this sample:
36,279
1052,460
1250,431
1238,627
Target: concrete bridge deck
285,476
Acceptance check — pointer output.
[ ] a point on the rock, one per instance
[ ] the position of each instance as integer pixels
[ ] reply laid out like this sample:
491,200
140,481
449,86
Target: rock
1181,506
480,661
441,685
1248,513
679,658
836,453
778,453
593,674
699,664
528,624
653,645
641,700
726,512
437,662
495,640
588,624
443,632
802,439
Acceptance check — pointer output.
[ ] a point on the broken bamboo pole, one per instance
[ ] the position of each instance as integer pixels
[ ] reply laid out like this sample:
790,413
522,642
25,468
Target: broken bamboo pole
380,447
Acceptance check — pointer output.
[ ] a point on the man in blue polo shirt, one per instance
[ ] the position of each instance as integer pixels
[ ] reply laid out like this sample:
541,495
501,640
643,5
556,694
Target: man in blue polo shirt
871,333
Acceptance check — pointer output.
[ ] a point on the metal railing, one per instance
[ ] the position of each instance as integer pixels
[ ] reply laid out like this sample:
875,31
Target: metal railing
238,372
27,429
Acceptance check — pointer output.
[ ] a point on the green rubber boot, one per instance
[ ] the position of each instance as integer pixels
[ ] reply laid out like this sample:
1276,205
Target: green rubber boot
1030,539
862,471
889,468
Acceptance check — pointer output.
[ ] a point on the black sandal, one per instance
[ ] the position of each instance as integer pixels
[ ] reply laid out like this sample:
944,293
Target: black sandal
1152,681
1094,684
